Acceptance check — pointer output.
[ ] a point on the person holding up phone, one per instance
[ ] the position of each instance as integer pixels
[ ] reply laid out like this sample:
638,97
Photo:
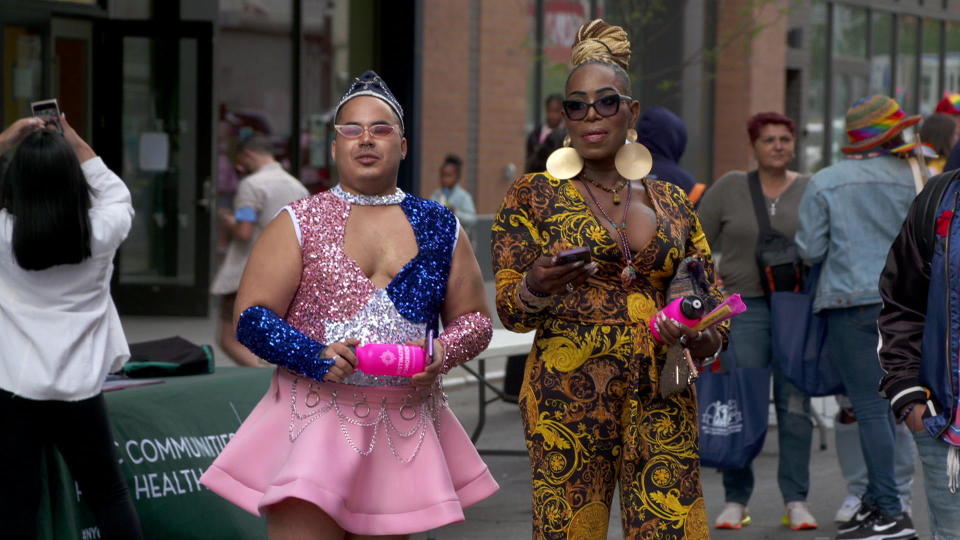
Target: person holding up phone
48,110
63,215
590,400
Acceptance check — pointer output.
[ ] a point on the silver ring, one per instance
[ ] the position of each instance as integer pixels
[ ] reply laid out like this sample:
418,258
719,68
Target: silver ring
569,287
336,357
683,340
361,406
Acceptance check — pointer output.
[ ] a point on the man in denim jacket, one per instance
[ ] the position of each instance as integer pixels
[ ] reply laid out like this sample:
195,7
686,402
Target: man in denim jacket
849,216
919,327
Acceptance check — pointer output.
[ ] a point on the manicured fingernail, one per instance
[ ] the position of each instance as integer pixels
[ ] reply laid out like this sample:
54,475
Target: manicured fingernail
675,323
553,260
593,271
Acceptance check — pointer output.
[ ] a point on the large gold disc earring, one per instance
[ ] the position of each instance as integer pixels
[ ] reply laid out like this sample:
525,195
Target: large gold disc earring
564,162
633,161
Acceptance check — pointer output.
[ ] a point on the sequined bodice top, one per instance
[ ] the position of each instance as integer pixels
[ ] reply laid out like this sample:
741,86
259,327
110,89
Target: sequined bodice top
336,301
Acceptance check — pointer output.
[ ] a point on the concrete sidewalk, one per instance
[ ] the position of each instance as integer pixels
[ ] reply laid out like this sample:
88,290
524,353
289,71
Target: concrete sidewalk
506,515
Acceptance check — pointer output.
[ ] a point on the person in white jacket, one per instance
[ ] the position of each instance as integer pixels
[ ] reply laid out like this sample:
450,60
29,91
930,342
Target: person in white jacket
63,214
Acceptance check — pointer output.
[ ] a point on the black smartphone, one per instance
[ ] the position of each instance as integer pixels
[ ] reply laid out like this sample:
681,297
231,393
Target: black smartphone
573,255
49,111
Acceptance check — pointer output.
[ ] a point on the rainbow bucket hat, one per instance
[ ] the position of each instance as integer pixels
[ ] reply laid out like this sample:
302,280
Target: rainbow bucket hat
874,120
950,104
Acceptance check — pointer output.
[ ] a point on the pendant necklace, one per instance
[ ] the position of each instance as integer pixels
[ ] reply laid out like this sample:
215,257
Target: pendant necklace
775,200
615,190
773,206
629,273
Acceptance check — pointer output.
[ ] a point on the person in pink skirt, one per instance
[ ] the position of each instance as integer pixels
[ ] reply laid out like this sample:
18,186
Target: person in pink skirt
331,451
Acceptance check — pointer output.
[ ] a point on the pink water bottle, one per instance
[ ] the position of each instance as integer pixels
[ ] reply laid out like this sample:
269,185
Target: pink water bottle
388,359
686,310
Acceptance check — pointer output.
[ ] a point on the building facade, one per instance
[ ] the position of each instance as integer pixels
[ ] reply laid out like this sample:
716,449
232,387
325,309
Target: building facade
165,89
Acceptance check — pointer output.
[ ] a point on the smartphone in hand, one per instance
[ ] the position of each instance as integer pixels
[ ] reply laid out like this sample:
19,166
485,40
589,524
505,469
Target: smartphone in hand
573,255
49,111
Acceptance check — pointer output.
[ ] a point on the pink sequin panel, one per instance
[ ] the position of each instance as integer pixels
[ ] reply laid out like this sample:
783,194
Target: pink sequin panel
331,288
464,338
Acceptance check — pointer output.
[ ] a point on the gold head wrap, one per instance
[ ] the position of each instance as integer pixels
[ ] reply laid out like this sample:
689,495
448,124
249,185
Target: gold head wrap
599,41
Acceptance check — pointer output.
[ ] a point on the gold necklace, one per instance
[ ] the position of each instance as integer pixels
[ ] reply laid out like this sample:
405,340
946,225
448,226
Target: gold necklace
615,190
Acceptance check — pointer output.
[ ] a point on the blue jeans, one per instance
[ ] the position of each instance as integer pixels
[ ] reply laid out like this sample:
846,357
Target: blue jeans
852,338
854,469
751,333
944,506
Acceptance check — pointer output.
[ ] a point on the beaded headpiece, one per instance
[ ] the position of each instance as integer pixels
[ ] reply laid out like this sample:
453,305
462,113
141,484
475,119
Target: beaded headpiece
370,84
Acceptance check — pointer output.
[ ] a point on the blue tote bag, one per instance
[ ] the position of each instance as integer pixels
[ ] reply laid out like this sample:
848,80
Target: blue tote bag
734,406
800,340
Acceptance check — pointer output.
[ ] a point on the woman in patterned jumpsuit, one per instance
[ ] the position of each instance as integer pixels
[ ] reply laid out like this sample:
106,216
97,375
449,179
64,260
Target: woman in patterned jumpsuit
590,401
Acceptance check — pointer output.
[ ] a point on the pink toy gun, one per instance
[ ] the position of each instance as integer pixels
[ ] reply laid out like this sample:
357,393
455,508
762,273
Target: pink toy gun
688,310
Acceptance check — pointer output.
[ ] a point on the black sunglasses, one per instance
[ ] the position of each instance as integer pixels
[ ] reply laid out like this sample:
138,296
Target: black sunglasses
576,109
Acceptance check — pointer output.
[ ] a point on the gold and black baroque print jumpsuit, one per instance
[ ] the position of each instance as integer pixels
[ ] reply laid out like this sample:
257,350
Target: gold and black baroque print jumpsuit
590,401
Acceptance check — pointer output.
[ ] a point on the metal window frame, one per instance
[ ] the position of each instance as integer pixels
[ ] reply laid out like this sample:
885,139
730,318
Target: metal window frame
896,10
827,144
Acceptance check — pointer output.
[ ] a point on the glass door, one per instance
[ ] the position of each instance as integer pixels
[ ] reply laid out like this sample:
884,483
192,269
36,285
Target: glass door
153,109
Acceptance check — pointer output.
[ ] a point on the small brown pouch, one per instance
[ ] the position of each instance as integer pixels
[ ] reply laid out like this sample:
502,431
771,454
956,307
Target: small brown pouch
679,371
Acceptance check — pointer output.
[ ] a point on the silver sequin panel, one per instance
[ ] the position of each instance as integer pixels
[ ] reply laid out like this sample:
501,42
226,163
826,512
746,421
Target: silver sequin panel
378,322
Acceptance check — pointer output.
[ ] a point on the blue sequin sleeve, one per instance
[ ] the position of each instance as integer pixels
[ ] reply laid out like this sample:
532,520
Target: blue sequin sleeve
276,341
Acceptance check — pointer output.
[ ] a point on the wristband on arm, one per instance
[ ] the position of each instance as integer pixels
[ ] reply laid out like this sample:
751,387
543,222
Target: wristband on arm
905,412
278,342
245,213
464,338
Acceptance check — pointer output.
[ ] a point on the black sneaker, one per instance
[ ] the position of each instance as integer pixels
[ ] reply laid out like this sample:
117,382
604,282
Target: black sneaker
863,515
879,526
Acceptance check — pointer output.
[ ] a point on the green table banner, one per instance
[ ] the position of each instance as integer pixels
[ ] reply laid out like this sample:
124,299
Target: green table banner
167,435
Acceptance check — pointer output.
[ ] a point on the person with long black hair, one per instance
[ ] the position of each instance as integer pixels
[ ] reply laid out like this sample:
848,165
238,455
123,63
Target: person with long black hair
63,214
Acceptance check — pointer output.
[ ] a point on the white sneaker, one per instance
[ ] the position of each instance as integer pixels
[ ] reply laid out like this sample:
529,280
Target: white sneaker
798,516
733,516
846,511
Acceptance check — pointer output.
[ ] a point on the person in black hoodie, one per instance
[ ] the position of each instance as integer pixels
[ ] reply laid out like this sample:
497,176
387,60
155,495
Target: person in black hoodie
665,135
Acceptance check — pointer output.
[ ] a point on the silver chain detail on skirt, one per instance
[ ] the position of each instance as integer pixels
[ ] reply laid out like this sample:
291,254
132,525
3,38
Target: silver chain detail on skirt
423,412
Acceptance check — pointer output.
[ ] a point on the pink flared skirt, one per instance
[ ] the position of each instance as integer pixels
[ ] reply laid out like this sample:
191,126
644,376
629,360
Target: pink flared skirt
378,460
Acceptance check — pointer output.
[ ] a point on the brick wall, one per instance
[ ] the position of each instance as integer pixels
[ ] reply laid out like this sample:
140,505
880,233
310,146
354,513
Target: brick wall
505,59
751,76
445,90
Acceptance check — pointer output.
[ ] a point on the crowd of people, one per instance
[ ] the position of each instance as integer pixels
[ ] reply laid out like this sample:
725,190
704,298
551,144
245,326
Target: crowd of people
602,232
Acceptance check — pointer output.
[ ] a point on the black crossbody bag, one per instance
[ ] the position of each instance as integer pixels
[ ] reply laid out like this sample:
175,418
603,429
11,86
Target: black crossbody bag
778,259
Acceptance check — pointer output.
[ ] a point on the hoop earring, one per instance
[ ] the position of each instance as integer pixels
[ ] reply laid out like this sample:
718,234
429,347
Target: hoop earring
564,163
633,160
